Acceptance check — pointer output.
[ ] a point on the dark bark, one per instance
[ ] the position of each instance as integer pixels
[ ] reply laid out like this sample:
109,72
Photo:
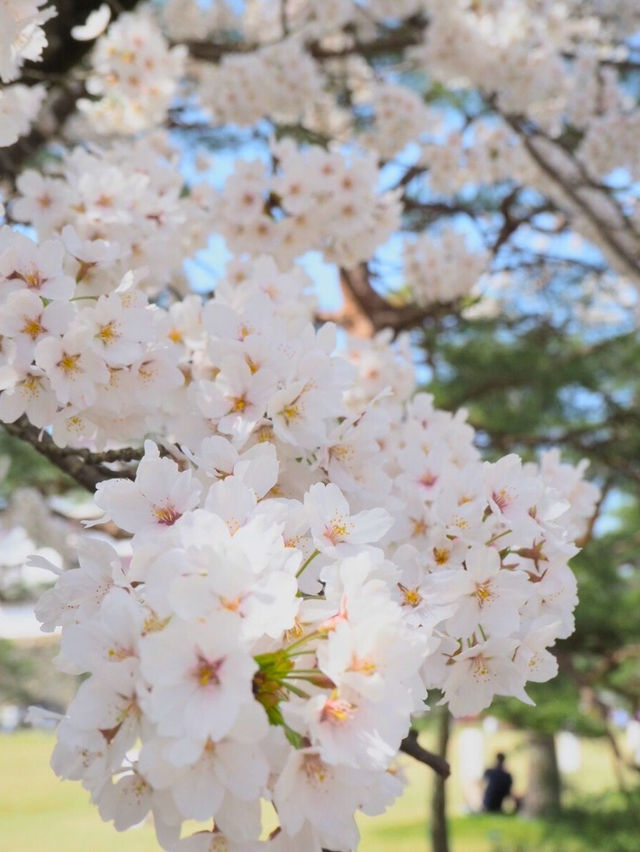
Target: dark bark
82,467
387,41
366,312
437,762
439,828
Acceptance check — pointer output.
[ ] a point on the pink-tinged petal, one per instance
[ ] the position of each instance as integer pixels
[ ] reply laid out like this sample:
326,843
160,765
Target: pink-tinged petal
370,526
124,504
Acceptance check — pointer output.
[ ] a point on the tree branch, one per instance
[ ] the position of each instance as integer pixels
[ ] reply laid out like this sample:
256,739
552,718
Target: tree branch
366,312
85,473
409,34
361,302
125,454
412,747
584,540
405,317
618,238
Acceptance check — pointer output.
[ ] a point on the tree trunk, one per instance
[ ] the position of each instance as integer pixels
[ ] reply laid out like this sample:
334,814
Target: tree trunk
439,832
543,788
618,759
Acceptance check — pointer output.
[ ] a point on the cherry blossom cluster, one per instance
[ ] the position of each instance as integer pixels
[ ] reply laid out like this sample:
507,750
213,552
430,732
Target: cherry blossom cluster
272,620
254,636
279,81
21,34
491,154
568,480
503,49
134,75
469,536
187,19
86,366
111,368
400,117
385,369
117,209
214,682
21,38
554,65
314,199
263,21
473,540
547,65
19,105
442,268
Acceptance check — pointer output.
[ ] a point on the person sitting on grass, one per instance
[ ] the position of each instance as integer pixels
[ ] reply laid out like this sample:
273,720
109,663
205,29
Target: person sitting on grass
498,788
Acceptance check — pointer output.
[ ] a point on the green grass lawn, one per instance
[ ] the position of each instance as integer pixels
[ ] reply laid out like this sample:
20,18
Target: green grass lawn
39,813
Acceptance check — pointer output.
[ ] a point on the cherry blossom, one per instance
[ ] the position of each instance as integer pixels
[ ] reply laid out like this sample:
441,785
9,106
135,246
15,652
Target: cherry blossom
23,37
159,497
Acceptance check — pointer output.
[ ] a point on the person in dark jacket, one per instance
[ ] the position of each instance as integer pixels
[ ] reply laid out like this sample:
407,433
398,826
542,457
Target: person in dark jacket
499,783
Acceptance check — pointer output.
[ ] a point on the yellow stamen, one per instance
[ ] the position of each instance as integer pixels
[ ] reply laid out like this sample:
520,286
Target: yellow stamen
336,710
337,530
33,280
419,527
483,593
69,363
441,555
412,597
152,624
365,666
207,671
108,333
290,412
501,499
31,387
314,768
117,654
32,327
166,515
480,667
